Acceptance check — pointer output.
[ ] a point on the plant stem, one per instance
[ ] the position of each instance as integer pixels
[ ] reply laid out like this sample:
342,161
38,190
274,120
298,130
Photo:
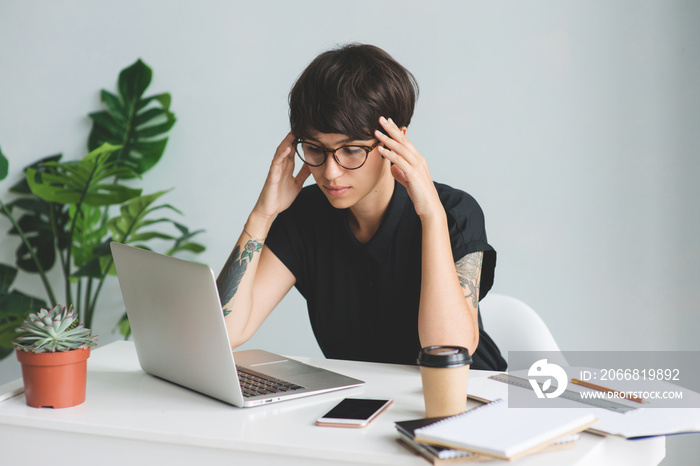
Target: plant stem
79,290
42,273
93,304
89,307
69,251
129,128
54,230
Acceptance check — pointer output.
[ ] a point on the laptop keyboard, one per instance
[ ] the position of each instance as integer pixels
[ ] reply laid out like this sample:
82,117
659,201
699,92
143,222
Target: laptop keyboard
254,383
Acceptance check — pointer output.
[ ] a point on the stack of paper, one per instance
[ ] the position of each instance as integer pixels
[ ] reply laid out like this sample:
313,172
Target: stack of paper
494,430
646,420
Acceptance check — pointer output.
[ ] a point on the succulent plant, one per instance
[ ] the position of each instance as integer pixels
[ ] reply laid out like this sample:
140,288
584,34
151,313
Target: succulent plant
49,331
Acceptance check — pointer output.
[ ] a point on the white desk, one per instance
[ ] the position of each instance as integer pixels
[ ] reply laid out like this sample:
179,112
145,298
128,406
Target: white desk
130,417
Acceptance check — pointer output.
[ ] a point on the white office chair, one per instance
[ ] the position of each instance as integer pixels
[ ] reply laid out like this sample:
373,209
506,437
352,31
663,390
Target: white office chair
515,326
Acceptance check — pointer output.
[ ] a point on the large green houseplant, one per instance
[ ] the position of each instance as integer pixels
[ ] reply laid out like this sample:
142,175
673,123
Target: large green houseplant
66,213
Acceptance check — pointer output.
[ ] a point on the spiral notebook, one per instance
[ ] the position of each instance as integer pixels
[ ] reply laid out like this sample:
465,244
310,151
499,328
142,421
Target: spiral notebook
434,453
496,430
444,455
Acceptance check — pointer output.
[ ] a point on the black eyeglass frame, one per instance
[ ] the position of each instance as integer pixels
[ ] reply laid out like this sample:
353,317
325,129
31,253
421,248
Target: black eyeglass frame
367,150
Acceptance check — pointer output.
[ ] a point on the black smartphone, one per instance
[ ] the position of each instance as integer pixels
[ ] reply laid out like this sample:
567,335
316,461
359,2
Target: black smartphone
353,412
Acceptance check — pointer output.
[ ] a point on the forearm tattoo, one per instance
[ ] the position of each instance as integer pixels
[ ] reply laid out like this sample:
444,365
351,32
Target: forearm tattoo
469,274
232,273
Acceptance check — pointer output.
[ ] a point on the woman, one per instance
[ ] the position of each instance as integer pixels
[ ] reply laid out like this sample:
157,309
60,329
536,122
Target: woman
388,260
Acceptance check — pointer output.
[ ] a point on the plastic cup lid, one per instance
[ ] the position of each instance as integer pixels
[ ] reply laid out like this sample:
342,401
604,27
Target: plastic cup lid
444,356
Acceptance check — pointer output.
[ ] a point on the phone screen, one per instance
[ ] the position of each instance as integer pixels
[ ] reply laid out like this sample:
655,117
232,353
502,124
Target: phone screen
354,412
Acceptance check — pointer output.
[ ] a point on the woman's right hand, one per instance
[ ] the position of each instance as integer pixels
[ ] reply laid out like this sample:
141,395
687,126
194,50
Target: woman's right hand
281,186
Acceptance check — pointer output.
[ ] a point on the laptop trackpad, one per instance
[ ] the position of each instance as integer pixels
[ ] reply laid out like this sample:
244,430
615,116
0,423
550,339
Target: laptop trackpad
286,369
273,364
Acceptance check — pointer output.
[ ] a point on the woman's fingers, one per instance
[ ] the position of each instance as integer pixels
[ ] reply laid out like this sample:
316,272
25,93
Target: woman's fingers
281,164
397,136
409,167
399,175
284,149
303,174
394,155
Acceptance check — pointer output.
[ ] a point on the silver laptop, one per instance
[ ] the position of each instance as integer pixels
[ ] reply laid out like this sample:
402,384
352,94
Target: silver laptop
179,332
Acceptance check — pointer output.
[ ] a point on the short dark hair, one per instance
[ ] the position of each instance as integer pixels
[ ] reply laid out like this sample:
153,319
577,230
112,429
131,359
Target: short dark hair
347,89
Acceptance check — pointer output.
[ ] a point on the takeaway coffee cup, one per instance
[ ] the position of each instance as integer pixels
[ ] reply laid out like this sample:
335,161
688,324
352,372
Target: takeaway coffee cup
444,371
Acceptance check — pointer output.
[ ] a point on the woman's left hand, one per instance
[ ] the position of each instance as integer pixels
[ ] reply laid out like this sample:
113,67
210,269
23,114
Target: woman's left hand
409,168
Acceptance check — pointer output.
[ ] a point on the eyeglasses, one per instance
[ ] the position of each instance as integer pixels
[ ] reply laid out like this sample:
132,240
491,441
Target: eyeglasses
348,157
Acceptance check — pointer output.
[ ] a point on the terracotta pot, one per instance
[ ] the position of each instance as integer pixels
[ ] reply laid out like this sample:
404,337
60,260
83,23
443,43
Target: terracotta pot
54,380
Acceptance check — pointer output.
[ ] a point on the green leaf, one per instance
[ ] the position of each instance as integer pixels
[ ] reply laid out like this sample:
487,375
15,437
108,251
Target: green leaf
81,182
41,239
131,218
7,276
15,306
4,352
21,187
100,134
138,124
133,82
43,226
113,103
128,227
89,233
108,123
16,303
183,243
8,332
149,114
124,326
32,204
91,269
164,99
149,235
99,263
4,166
145,154
192,247
155,130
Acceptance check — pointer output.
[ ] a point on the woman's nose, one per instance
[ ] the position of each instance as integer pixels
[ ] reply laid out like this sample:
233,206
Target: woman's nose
332,170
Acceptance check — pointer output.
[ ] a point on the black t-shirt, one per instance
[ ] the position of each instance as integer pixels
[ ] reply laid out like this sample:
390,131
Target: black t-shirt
363,298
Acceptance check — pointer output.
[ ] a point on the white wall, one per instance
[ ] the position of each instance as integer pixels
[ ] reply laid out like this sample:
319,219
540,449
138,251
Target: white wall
574,124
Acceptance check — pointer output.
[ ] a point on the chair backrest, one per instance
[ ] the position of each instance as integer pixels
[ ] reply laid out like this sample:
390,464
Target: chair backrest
514,325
